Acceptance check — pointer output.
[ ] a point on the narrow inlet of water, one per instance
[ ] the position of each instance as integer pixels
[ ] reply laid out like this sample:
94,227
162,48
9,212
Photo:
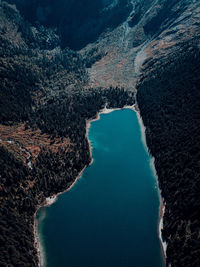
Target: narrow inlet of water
110,217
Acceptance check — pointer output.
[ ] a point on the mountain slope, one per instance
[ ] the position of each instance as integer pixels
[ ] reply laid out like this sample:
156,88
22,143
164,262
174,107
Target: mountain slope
150,48
43,113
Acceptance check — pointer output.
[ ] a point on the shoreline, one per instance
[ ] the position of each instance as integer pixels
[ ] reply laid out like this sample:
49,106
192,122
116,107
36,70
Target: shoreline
161,200
48,202
105,110
161,212
52,199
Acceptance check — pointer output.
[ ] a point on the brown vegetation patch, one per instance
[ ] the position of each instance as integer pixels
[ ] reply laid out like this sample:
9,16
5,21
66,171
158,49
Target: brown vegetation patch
31,140
15,150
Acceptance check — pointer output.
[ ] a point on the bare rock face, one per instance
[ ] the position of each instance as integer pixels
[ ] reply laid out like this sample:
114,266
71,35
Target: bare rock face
121,52
78,22
147,48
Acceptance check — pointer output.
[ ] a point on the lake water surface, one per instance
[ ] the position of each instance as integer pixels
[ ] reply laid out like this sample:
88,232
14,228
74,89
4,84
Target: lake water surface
110,217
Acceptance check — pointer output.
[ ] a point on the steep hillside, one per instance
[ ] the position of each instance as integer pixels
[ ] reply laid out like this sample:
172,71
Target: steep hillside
169,105
77,22
60,63
168,97
43,113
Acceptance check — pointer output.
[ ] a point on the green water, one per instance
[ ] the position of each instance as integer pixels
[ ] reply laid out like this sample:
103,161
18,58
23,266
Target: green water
110,217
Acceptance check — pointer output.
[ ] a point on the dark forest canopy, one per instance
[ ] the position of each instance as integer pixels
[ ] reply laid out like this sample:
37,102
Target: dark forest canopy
168,98
43,100
46,98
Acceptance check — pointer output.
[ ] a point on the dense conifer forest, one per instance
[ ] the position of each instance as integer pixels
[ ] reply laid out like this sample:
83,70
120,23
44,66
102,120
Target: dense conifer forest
47,96
168,98
42,88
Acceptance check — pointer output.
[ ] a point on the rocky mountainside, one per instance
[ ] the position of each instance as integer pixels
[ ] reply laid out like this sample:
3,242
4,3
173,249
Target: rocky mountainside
60,63
77,22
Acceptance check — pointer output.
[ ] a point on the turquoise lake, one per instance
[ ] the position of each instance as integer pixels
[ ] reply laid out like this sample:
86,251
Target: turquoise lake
110,217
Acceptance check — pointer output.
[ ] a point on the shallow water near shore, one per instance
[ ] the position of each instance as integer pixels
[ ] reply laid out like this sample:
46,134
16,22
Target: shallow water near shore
110,217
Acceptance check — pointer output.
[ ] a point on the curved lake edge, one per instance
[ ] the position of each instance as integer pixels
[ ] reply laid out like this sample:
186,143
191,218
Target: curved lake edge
50,200
161,199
